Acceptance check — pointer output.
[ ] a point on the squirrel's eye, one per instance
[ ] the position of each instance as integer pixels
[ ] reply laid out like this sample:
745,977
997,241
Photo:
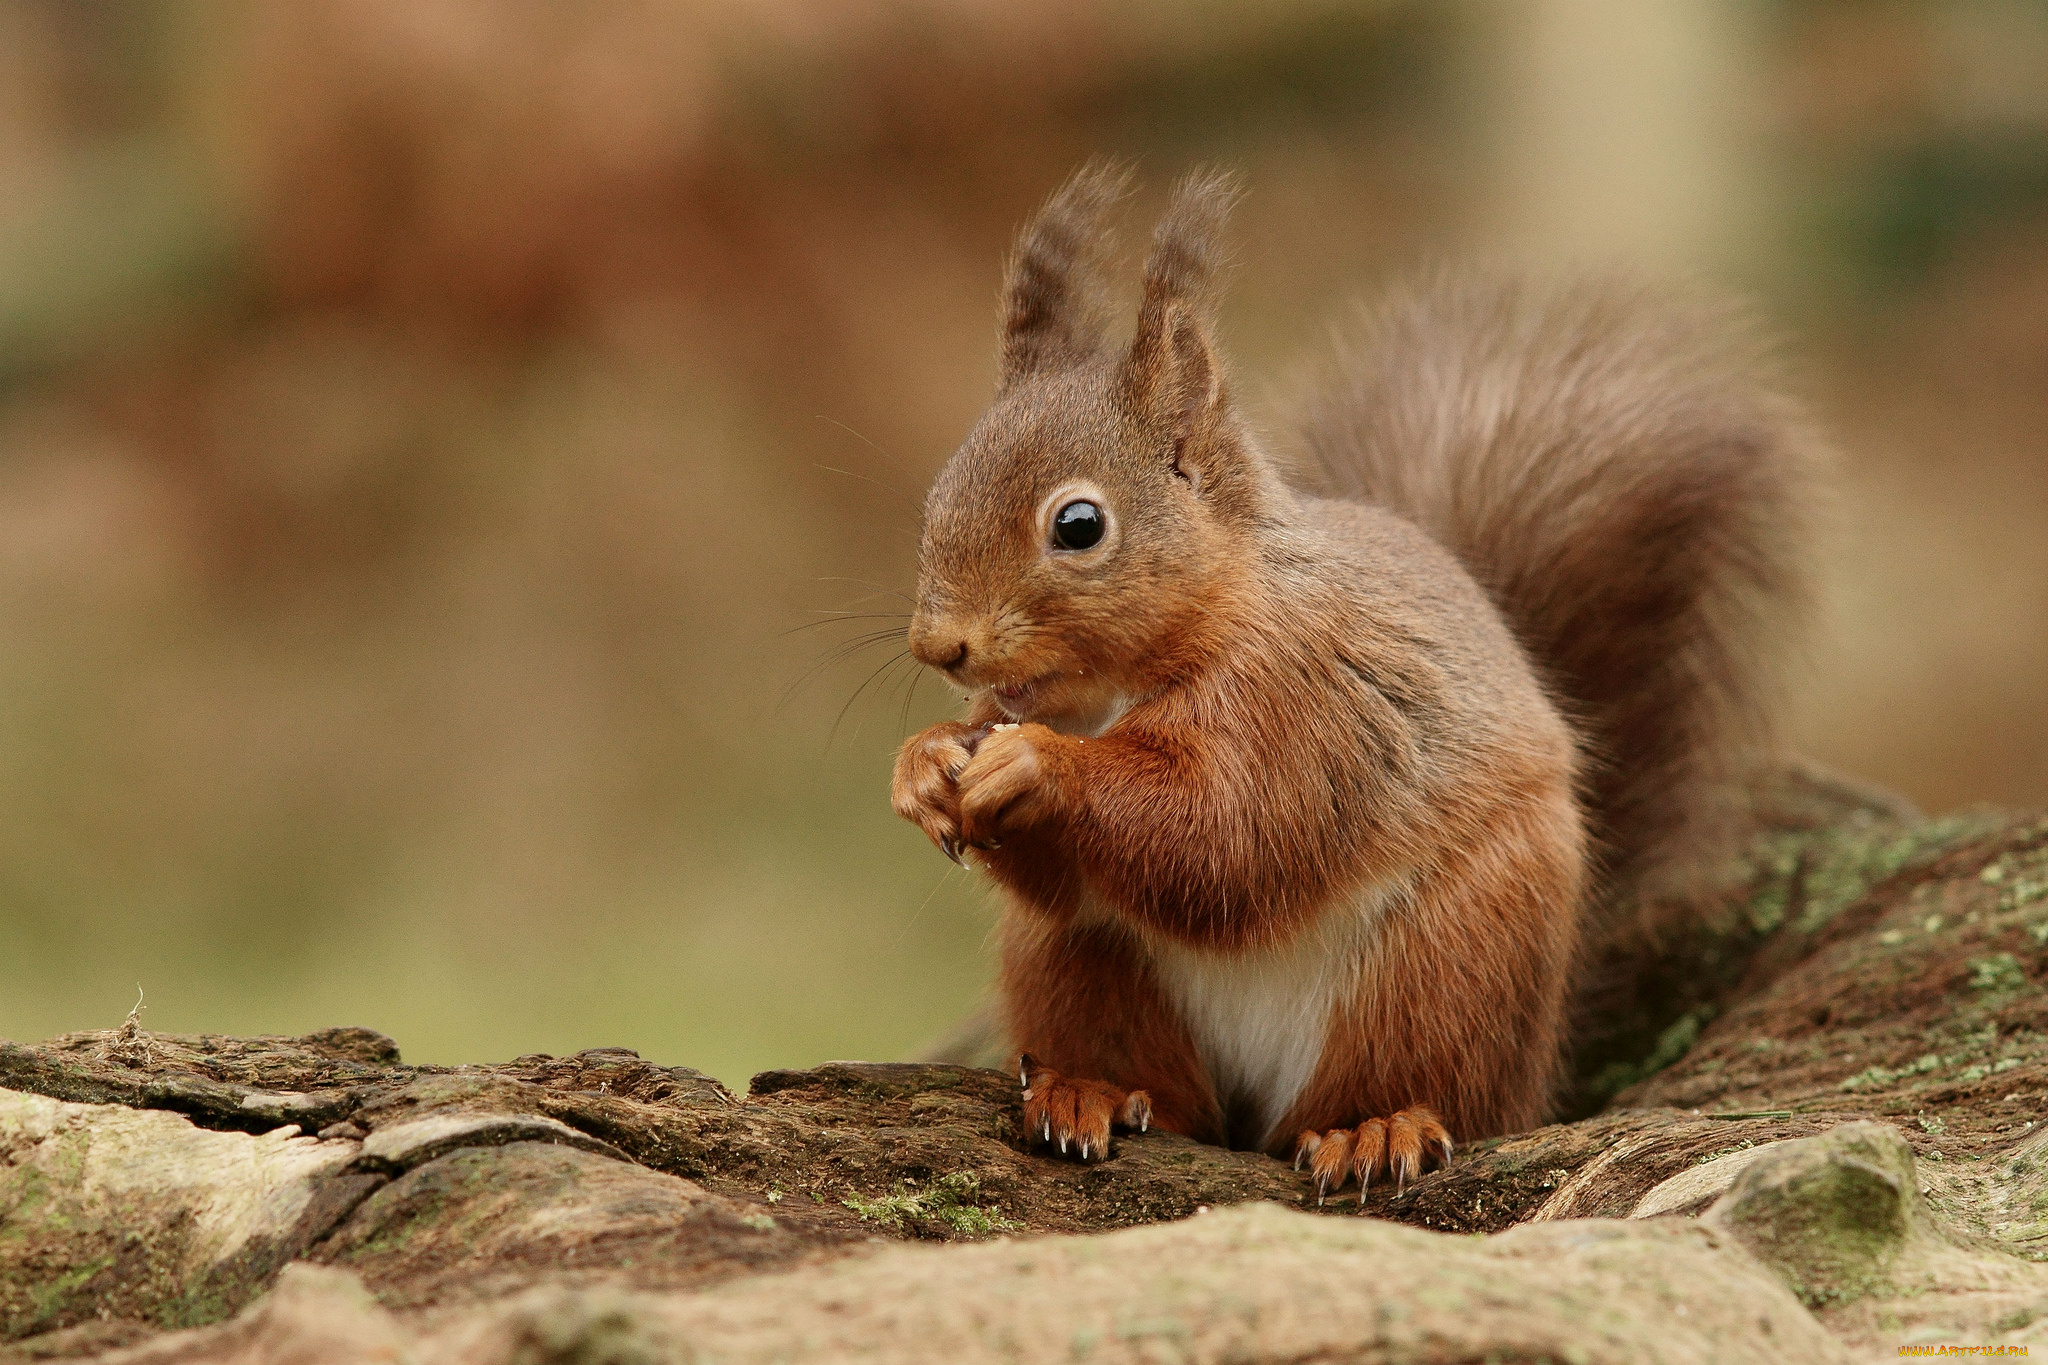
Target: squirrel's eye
1077,526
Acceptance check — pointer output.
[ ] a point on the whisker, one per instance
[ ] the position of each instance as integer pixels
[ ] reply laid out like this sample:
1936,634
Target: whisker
886,457
911,923
911,531
839,653
864,639
909,695
838,611
895,491
856,474
836,657
840,618
840,719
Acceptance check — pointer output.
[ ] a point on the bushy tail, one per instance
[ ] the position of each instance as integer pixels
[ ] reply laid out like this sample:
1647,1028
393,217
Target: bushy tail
1622,476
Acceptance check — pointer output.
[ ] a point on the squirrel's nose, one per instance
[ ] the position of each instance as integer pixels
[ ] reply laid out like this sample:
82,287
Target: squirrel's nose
939,649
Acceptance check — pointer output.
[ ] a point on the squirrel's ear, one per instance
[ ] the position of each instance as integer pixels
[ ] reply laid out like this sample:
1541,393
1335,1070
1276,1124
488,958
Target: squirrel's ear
1172,376
1052,308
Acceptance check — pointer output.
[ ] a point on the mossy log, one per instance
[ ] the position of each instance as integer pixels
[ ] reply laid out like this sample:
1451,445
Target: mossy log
1806,1126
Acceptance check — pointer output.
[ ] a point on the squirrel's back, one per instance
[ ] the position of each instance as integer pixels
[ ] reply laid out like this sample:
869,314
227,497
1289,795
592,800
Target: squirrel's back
1621,475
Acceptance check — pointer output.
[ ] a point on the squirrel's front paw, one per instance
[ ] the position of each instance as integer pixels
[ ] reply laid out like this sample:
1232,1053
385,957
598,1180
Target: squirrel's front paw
1008,784
925,789
1076,1115
1404,1144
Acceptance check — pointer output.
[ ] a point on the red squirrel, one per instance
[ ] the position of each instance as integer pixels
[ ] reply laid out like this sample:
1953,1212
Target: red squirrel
1304,794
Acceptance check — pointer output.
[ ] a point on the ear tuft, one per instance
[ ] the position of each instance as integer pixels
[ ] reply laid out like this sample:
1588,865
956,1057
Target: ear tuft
1187,246
1171,374
1052,299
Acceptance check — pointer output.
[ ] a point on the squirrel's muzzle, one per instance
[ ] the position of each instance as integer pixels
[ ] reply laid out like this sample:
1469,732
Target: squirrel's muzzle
939,645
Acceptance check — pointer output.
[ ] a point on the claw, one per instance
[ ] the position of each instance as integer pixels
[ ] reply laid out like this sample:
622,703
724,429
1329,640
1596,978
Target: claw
950,846
1305,1147
1063,1144
1084,1149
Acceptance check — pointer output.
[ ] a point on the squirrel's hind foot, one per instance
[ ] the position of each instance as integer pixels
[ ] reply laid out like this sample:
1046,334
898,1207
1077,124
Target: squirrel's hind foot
1404,1145
1076,1116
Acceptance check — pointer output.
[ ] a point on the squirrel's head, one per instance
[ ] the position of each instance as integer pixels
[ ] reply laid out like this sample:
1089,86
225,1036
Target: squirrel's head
1080,534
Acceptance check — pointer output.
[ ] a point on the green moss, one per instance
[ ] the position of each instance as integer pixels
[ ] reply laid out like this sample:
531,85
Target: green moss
2024,880
1778,871
1843,865
594,1330
23,1204
948,1207
48,1299
1831,1215
2023,893
1785,885
1874,1077
1716,1155
1674,1042
1981,1070
421,1211
1999,972
207,1304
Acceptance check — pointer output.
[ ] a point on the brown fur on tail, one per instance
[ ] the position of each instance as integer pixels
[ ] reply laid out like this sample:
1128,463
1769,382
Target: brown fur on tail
1621,475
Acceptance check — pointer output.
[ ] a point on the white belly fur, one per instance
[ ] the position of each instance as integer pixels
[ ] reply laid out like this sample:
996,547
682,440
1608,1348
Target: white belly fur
1259,1019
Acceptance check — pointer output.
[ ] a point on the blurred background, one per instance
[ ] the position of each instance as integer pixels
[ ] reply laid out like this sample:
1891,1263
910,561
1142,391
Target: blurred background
452,450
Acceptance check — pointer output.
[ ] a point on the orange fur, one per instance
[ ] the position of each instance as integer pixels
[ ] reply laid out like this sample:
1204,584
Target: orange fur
1083,996
1290,821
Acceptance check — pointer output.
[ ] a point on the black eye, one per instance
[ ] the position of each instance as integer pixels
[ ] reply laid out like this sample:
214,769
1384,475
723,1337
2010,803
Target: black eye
1077,526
